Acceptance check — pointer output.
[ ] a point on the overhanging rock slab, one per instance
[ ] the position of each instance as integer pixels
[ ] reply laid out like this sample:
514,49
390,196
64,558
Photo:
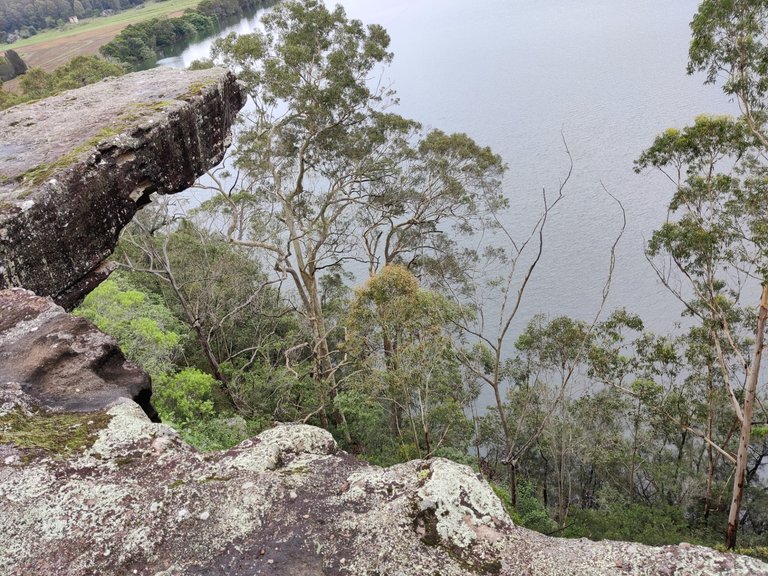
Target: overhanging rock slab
74,168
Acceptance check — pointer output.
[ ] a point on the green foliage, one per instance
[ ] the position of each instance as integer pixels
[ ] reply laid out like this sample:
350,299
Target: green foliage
716,224
267,390
141,43
8,99
147,331
203,64
37,84
240,325
729,44
78,72
185,396
368,426
529,511
220,433
29,16
399,335
656,525
553,344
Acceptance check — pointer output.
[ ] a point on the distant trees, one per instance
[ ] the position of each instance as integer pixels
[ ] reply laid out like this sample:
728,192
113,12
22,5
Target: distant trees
26,17
140,44
78,72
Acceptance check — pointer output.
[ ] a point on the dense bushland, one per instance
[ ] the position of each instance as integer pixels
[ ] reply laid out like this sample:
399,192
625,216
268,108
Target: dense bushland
80,71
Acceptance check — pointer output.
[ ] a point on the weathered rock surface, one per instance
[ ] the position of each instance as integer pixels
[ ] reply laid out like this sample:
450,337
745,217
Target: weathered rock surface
74,168
61,361
137,500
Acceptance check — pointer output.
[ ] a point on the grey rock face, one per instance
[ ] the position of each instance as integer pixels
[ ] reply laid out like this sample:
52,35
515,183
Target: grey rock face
74,168
137,500
63,362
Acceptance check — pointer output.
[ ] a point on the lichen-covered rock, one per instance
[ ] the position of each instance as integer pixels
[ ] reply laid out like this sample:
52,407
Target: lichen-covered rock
75,167
134,499
61,361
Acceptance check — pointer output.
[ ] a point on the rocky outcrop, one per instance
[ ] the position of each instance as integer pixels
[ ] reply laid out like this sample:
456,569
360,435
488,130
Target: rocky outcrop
62,362
132,498
74,168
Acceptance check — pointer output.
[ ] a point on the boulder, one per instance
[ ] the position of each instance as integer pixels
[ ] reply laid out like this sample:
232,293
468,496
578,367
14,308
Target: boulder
74,168
63,362
129,497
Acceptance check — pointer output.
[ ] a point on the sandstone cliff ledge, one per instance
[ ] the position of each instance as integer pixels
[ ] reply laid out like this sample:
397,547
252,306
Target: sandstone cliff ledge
74,168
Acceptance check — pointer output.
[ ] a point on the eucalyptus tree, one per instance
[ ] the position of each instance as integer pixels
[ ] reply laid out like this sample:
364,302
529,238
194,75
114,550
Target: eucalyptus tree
718,212
336,177
401,337
711,246
729,45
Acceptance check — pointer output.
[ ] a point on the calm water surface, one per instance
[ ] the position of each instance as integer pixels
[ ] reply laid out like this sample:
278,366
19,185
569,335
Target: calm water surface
516,74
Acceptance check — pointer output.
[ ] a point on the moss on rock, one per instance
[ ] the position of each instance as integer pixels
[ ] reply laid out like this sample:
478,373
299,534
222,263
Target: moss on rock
58,434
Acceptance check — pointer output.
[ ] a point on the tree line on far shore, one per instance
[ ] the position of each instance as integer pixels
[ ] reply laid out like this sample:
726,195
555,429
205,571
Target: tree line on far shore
140,44
137,46
25,18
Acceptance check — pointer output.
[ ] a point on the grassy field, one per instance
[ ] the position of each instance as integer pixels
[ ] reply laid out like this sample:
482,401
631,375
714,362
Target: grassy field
54,48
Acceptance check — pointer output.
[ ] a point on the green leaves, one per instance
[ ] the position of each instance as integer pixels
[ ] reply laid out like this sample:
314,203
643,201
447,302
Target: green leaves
709,141
399,338
312,60
718,208
729,43
185,397
145,328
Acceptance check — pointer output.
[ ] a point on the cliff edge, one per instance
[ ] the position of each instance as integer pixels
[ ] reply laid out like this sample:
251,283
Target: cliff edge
88,485
74,168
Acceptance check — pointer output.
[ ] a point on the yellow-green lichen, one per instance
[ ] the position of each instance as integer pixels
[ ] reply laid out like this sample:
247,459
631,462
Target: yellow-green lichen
300,470
40,173
214,479
197,88
58,434
140,110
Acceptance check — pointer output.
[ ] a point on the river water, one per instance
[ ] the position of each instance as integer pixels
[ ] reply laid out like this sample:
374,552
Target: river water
519,75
